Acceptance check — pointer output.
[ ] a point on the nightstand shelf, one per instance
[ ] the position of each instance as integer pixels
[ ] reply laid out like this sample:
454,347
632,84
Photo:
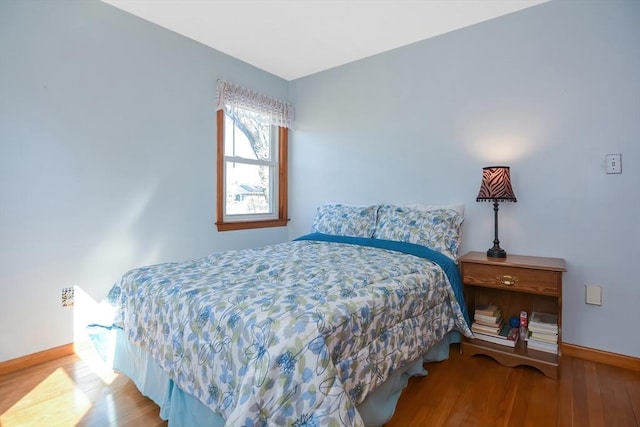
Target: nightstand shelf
537,287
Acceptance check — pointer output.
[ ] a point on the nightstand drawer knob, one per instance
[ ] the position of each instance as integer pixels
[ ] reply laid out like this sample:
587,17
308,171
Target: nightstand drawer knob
507,280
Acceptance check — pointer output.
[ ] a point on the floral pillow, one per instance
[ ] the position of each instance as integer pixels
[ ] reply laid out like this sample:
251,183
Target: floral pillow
346,220
437,229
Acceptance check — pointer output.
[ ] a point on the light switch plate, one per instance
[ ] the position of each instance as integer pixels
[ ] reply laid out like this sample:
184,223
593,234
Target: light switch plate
613,163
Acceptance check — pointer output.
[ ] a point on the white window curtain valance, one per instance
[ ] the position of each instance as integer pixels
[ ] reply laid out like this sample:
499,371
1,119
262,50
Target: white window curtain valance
230,95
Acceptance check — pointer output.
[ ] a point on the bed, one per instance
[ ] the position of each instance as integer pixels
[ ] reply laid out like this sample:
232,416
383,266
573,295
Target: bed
320,331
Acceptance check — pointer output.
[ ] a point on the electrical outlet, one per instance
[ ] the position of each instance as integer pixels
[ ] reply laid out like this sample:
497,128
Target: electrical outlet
593,294
67,297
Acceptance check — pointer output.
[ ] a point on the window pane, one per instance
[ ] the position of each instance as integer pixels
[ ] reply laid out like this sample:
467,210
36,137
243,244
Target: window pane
247,135
248,189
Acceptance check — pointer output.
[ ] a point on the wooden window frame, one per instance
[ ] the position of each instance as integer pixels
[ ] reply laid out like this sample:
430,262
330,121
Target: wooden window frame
282,220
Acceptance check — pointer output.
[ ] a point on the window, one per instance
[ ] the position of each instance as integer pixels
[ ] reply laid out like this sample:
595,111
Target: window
252,159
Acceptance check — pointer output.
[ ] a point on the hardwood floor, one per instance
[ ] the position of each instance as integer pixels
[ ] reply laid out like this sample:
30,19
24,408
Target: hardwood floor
75,390
462,391
477,391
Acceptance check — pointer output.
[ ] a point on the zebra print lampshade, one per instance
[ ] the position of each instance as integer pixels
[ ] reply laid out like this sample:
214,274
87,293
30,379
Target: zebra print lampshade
496,185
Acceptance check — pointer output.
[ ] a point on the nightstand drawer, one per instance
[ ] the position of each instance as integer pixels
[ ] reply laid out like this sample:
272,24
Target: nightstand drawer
542,282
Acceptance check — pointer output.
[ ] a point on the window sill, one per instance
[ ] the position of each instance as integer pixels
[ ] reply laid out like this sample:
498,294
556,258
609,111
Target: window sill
246,225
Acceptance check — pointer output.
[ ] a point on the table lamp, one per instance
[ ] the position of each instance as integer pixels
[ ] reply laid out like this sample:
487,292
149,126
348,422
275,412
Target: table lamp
496,187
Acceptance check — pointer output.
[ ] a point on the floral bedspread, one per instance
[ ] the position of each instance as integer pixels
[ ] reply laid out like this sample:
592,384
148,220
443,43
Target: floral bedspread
295,334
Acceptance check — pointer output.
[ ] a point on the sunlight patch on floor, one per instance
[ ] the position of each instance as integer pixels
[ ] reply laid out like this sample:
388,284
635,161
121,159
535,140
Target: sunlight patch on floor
101,368
56,401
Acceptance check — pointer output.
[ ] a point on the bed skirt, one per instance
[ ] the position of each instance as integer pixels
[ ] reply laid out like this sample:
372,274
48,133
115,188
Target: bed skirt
183,410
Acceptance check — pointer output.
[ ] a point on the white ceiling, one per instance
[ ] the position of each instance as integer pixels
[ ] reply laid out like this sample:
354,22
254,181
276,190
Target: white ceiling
295,38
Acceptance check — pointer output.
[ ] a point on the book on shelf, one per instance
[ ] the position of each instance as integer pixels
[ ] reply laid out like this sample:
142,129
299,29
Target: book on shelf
545,330
542,346
491,330
487,319
508,336
497,323
488,310
543,320
538,336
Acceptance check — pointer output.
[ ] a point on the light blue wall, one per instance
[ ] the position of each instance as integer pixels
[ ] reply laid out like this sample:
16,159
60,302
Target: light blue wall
107,157
107,150
549,91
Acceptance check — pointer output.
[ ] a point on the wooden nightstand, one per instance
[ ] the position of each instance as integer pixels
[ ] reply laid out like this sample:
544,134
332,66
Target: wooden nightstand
538,287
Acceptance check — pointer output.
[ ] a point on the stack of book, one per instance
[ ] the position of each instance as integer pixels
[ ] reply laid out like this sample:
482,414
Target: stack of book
543,332
489,326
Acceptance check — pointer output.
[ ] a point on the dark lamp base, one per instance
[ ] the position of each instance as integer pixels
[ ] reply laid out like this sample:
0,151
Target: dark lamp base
496,253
